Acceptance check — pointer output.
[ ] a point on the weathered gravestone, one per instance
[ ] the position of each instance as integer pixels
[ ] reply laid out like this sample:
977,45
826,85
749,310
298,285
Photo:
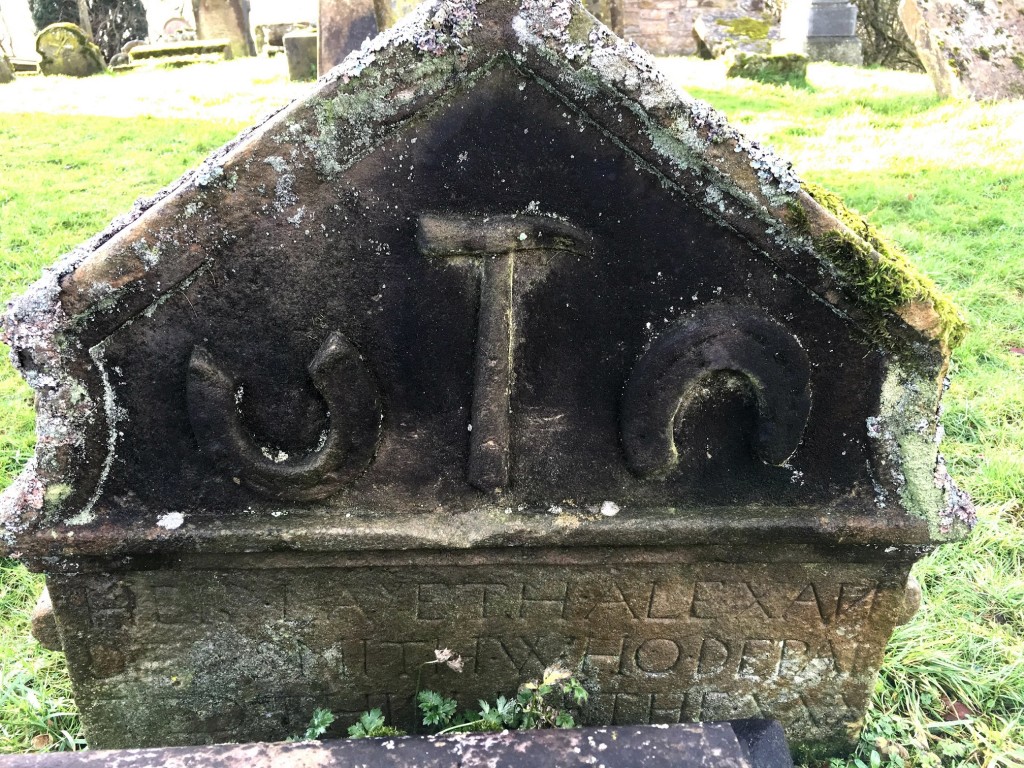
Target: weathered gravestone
270,37
744,40
64,49
6,70
496,342
971,48
225,19
342,27
823,30
300,51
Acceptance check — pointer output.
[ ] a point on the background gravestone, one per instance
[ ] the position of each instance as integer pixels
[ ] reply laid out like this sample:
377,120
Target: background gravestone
6,70
722,32
300,50
499,343
664,27
823,30
343,26
64,49
970,49
227,19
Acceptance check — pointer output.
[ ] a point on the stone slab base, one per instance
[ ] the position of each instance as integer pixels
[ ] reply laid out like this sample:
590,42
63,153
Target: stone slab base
236,652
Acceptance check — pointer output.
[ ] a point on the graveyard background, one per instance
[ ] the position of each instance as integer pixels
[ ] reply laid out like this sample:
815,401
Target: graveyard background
945,180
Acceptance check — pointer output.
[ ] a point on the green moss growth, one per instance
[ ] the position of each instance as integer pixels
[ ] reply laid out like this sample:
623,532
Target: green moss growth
55,495
580,26
752,29
777,69
883,275
1018,59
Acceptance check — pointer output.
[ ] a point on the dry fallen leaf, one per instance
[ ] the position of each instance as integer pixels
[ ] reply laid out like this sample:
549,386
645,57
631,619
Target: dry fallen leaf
955,710
42,741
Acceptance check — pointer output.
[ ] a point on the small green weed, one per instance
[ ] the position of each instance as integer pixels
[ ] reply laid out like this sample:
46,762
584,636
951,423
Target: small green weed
436,709
318,724
371,724
544,703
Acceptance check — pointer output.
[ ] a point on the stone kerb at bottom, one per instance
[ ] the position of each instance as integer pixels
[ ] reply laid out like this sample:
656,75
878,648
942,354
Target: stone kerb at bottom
741,744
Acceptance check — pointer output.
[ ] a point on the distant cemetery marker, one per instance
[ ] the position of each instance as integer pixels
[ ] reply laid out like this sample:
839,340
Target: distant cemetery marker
342,27
495,342
225,19
64,49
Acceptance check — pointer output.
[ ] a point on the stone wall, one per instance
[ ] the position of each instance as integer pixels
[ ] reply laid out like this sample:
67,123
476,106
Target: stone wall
663,27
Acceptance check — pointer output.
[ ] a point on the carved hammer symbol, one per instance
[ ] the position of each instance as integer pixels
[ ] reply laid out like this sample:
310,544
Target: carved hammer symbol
498,242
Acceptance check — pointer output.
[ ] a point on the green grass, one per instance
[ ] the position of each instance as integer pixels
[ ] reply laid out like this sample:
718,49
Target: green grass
36,709
945,181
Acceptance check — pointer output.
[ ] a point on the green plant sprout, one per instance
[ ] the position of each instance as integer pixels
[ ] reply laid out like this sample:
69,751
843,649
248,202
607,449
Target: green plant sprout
444,656
538,704
542,703
371,724
318,725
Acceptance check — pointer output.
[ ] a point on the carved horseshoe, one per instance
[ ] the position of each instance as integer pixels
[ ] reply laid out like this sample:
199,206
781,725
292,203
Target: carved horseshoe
740,340
354,407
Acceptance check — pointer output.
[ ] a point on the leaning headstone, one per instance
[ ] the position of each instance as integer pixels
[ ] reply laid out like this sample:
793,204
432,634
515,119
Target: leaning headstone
225,19
342,27
300,50
495,342
735,31
64,49
823,30
971,48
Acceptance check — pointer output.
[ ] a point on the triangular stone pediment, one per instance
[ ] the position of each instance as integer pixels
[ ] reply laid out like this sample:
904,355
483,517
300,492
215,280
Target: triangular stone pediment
495,281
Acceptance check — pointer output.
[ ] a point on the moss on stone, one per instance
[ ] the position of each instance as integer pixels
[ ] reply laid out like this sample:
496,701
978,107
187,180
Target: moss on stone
580,26
1018,59
55,495
775,69
745,26
883,275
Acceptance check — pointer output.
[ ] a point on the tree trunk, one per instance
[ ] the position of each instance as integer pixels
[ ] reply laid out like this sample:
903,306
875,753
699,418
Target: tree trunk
83,18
